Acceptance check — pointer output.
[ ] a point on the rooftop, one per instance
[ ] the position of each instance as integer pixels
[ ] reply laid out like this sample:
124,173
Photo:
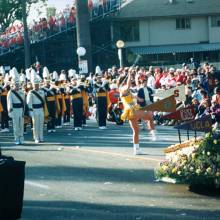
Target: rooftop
164,8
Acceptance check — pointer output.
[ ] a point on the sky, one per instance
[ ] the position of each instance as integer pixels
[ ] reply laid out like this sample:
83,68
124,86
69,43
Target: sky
58,4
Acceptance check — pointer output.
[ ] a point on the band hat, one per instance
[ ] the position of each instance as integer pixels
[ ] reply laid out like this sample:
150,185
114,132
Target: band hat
28,74
82,76
98,70
62,77
71,73
2,70
22,77
55,76
34,77
6,78
113,86
46,73
14,73
16,81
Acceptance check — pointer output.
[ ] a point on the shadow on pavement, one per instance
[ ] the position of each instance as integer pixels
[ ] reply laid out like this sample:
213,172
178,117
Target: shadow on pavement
90,174
74,210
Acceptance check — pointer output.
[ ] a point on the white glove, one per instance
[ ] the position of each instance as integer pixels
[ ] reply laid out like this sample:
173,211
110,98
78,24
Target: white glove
10,114
31,114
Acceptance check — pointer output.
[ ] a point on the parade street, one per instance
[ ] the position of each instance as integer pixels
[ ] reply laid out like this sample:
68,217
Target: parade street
92,174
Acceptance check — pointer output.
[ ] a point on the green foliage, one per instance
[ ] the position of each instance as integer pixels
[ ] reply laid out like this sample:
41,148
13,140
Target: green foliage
11,10
202,167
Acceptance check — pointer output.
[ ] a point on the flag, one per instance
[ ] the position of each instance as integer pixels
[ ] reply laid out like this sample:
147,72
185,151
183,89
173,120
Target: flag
165,105
178,91
203,124
184,114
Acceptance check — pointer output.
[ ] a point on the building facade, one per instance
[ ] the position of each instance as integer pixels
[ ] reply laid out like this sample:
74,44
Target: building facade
169,32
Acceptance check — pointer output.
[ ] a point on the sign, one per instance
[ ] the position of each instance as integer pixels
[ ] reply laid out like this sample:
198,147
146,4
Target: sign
201,124
178,91
83,66
165,105
184,114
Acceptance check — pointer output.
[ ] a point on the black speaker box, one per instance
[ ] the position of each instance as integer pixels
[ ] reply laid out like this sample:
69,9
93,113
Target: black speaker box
12,175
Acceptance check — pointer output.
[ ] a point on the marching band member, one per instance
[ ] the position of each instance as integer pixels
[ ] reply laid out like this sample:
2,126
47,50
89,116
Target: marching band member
61,103
132,111
36,102
3,97
50,97
66,117
66,97
77,105
102,102
15,105
85,97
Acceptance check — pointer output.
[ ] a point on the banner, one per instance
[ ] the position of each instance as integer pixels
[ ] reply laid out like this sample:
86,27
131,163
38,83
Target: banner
178,91
201,124
184,114
165,105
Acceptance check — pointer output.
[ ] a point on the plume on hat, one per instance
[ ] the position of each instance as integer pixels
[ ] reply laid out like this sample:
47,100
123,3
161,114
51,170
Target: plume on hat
46,73
98,70
34,78
14,73
2,70
22,77
55,76
28,74
62,77
72,73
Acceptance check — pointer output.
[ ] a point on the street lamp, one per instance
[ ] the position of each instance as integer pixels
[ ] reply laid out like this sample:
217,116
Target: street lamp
83,64
120,44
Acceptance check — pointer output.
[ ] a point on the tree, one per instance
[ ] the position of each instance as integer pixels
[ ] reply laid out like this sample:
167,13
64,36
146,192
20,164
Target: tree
11,10
51,11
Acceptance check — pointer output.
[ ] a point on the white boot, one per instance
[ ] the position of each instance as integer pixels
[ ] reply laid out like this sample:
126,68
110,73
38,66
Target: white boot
153,135
137,150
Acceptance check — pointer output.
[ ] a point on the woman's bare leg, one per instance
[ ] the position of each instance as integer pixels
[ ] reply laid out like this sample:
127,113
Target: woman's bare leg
135,128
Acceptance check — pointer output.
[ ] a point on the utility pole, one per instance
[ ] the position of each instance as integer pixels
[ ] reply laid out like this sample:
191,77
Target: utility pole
26,38
83,32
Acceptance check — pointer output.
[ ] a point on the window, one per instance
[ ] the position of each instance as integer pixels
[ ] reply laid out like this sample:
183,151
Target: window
183,23
127,31
215,21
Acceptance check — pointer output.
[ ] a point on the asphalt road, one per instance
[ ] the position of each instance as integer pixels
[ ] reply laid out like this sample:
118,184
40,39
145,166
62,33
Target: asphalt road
92,174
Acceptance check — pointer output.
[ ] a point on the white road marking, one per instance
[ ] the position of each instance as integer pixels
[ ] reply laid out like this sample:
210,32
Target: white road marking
42,186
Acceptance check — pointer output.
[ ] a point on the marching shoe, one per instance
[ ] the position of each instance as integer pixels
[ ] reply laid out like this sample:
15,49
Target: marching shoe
49,131
6,130
76,129
3,130
153,135
21,140
17,142
138,152
103,127
37,141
